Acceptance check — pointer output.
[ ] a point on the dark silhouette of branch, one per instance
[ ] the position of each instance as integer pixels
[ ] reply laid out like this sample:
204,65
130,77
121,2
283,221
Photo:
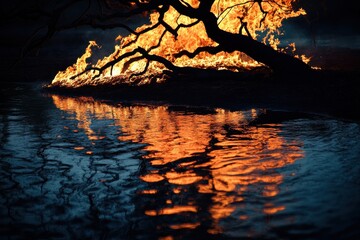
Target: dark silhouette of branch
52,25
144,54
112,13
230,42
228,9
209,49
135,59
262,10
227,42
138,34
129,62
142,72
243,26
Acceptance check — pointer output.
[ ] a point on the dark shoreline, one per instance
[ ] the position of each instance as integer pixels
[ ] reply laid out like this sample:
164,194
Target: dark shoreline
333,93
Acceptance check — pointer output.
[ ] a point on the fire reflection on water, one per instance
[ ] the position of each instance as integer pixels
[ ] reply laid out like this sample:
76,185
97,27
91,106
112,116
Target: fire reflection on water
220,154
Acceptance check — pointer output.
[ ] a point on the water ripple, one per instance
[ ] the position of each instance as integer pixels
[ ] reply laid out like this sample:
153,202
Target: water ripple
84,169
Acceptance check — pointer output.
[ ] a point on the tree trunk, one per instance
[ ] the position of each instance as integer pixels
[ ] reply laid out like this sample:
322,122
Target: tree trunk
279,62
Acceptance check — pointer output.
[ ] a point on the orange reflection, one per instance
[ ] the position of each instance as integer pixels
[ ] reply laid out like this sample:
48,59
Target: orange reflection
149,191
173,210
219,153
166,238
185,225
79,148
152,178
272,209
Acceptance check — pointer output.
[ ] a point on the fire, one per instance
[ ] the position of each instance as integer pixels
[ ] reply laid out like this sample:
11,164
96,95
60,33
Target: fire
253,18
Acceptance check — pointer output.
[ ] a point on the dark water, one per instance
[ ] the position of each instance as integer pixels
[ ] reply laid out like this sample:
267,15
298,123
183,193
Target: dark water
75,168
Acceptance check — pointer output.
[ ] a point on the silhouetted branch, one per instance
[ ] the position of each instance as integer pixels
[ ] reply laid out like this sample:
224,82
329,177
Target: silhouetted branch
243,26
228,9
144,54
211,50
111,13
142,72
129,62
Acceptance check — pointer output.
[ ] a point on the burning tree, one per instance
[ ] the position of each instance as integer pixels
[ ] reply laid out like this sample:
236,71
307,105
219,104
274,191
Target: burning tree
235,35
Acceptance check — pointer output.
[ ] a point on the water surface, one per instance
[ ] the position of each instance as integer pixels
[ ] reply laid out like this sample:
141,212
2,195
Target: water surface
86,169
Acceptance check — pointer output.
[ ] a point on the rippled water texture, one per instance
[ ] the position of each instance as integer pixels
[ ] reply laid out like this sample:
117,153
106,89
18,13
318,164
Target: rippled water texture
84,169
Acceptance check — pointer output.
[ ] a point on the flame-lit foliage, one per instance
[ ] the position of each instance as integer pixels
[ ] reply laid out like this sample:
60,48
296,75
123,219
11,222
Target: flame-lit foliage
173,38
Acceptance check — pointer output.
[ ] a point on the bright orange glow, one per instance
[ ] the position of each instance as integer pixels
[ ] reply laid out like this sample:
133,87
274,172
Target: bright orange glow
79,148
243,217
237,155
182,178
166,238
149,191
152,178
270,209
185,225
177,190
260,17
170,211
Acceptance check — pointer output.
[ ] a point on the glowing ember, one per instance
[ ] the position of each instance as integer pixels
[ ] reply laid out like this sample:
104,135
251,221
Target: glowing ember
130,65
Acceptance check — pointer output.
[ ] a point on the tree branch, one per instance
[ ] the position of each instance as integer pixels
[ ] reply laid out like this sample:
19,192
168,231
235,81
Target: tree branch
209,49
143,52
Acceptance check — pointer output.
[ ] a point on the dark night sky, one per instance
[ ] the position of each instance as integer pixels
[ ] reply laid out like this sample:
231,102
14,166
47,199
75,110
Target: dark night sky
330,23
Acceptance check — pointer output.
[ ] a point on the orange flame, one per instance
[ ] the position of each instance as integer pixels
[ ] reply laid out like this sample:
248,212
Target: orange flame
259,17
